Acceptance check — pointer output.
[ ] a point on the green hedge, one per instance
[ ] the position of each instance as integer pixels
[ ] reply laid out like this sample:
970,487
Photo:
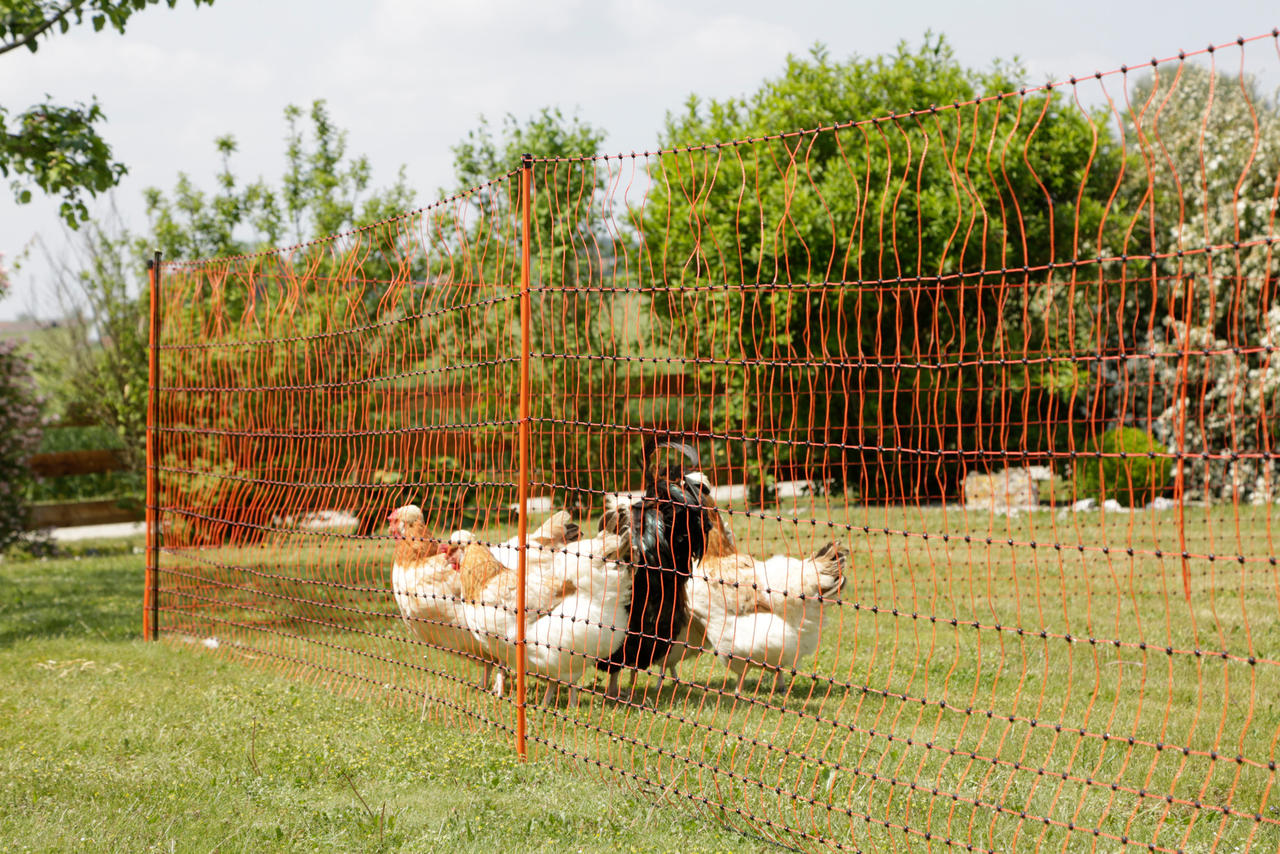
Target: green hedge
19,437
85,487
1132,467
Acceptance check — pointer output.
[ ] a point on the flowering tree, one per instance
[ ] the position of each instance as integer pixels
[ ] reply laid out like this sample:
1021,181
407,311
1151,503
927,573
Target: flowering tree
1205,198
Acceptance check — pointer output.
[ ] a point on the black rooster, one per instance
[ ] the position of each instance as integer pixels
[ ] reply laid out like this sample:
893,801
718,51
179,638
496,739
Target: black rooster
671,523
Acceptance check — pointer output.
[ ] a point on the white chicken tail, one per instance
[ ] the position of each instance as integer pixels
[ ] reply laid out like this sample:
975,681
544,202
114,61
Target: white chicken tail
556,531
831,560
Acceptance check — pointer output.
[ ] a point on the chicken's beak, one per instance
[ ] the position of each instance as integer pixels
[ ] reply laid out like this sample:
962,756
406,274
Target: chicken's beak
394,525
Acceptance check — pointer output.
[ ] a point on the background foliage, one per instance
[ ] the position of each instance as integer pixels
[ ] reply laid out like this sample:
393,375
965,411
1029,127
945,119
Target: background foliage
1204,173
920,198
57,148
19,435
1132,468
906,201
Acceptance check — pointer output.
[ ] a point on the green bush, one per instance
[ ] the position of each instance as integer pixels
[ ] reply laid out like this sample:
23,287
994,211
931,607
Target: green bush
1141,474
19,438
461,497
127,485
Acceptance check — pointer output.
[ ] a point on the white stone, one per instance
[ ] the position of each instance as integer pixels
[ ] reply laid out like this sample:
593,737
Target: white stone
93,532
540,504
729,492
328,520
1084,505
794,488
1002,491
537,504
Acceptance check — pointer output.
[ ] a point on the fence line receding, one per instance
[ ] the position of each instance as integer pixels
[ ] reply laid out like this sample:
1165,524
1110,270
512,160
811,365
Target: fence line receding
925,465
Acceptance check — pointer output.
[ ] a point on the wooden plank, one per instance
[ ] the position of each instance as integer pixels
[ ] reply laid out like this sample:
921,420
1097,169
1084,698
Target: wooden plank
71,514
65,463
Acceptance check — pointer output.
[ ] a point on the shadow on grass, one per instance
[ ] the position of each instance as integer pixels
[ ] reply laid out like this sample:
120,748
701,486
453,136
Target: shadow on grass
98,597
800,695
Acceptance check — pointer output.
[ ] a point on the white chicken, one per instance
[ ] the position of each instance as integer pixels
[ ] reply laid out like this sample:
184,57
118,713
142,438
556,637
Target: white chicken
576,607
762,614
428,590
544,542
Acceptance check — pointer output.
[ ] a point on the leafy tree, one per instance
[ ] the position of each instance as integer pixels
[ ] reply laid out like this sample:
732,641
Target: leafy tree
95,363
425,297
563,192
52,147
99,369
572,251
1130,466
1207,174
868,229
19,439
322,192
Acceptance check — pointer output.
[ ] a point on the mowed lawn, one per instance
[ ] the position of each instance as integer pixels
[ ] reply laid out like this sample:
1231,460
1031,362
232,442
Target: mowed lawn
996,684
108,743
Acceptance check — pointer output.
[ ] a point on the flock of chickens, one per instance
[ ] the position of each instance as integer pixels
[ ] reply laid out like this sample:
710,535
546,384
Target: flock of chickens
662,582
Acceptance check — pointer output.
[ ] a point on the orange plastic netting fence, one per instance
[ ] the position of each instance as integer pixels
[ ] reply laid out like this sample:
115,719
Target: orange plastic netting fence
925,462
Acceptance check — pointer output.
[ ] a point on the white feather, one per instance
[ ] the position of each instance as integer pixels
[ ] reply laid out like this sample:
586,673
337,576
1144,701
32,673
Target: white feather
591,623
429,596
764,613
564,634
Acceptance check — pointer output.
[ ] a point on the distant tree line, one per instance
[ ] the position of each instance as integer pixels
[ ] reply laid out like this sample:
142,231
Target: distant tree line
884,306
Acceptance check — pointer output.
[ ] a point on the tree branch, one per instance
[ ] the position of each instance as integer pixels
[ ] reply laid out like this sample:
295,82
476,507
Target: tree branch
38,31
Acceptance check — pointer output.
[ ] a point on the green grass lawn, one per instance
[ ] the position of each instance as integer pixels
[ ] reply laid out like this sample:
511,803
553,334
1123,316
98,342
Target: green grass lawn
108,743
970,687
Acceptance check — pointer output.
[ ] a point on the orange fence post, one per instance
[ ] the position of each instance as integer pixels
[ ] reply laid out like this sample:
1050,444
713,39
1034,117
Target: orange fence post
1179,482
526,188
151,595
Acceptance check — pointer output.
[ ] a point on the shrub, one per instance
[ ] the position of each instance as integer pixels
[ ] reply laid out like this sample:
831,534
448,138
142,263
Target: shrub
1133,479
463,497
19,439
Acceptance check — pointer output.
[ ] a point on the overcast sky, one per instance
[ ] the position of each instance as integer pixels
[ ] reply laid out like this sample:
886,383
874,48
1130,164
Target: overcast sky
408,78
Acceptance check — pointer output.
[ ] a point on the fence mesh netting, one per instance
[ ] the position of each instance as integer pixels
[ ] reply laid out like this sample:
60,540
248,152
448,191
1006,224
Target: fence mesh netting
983,401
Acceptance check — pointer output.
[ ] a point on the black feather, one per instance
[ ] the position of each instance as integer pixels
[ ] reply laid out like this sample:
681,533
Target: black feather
671,523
